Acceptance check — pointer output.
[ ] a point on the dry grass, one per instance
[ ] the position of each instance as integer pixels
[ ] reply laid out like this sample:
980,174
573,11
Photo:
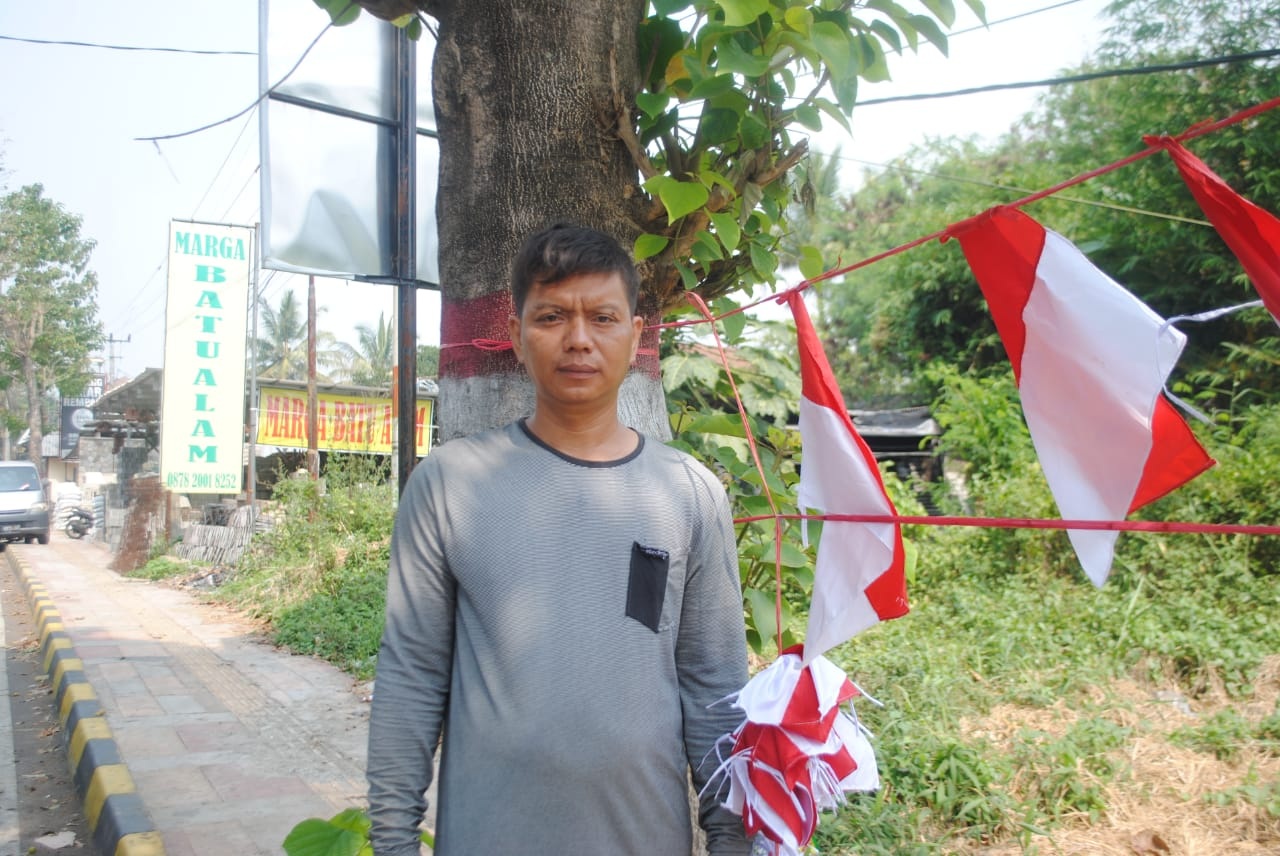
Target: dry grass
1158,803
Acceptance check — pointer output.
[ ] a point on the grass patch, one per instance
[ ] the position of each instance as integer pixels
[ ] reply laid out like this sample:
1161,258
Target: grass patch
318,578
164,568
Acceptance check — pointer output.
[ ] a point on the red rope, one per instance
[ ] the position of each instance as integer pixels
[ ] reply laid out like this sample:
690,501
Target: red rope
1035,523
701,304
1198,130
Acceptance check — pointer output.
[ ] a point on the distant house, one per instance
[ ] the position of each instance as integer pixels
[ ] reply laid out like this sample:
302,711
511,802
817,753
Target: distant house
907,437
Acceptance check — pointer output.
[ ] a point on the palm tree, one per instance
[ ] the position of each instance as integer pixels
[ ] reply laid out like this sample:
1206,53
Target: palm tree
282,349
370,361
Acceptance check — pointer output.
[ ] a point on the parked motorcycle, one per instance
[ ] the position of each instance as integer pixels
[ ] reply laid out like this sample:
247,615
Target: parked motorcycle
79,522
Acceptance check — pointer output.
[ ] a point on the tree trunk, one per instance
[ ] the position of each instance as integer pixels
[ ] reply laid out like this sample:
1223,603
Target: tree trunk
527,97
35,440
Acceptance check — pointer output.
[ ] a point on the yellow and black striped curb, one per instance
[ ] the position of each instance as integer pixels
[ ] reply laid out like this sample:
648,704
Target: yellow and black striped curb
113,809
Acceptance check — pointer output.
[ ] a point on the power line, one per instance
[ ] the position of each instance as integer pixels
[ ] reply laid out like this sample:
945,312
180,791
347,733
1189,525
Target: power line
991,24
126,312
1113,206
225,161
255,103
126,47
243,188
1080,78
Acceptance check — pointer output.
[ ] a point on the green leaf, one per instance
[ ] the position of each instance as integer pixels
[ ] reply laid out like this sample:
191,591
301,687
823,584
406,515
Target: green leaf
682,197
679,197
887,34
732,325
809,116
739,13
754,132
846,90
799,19
763,613
658,40
726,226
911,560
354,819
803,576
871,59
835,48
710,87
717,125
688,279
763,260
810,262
788,79
733,59
793,556
834,112
725,424
900,16
412,26
341,12
930,30
943,10
652,103
649,245
686,366
706,249
711,178
754,505
316,837
978,8
663,124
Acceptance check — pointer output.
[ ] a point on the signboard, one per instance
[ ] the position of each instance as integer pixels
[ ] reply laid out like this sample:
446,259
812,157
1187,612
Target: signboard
75,418
345,423
202,406
327,125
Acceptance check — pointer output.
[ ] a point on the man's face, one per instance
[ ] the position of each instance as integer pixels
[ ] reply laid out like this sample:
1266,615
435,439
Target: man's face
577,339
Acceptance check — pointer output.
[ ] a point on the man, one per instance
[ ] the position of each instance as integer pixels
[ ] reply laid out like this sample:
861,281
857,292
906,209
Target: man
563,601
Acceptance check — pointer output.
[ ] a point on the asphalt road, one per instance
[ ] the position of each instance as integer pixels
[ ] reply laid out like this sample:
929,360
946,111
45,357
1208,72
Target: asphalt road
38,802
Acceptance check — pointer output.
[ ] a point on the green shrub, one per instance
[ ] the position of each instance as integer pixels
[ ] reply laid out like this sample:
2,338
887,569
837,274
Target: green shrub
163,567
318,577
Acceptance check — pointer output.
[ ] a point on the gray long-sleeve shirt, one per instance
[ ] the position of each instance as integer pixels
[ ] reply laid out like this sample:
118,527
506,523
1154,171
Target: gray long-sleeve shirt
527,617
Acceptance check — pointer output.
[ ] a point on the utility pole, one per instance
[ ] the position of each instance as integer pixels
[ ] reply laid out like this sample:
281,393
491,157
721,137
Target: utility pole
404,252
253,372
112,341
313,450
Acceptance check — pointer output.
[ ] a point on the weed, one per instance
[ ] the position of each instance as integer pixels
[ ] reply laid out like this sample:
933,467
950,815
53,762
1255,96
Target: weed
163,567
1263,795
1227,732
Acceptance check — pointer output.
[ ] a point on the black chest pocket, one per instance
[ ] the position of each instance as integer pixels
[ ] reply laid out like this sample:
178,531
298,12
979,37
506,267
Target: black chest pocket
647,584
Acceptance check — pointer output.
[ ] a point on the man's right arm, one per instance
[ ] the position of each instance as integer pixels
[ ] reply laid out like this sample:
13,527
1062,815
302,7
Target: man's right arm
415,660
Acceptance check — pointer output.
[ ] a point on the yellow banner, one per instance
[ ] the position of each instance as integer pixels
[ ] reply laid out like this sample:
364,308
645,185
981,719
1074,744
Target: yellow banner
345,423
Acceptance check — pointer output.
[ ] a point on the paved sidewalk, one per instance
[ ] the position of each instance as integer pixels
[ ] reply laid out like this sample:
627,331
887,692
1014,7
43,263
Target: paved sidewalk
230,742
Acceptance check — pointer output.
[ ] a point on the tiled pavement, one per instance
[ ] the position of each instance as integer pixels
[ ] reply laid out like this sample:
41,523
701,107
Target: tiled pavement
230,742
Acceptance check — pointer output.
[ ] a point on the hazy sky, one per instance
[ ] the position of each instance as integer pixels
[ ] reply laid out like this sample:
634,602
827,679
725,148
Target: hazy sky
69,117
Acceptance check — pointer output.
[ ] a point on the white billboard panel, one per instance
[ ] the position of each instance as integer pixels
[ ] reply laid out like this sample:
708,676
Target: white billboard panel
202,409
326,129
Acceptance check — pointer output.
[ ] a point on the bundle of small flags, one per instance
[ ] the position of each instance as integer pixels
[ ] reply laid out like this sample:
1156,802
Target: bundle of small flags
797,753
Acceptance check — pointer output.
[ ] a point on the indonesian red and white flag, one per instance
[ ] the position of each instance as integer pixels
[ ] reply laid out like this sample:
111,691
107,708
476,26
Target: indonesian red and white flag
1090,360
798,751
1252,233
860,577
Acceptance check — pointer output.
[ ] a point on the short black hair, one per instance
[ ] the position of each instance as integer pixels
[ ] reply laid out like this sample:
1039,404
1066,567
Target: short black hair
564,250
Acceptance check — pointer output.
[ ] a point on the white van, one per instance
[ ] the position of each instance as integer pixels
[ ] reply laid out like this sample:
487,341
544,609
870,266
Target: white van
24,508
